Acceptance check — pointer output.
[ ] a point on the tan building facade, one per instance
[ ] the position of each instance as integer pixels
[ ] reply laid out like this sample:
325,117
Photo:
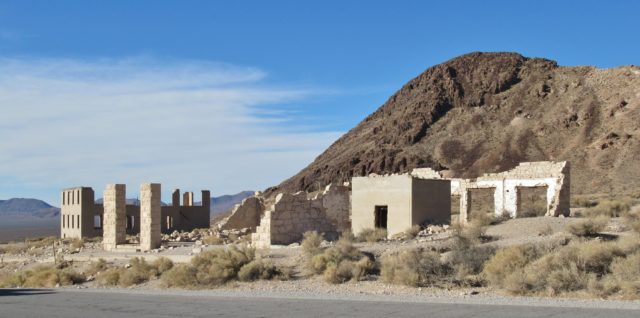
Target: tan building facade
397,202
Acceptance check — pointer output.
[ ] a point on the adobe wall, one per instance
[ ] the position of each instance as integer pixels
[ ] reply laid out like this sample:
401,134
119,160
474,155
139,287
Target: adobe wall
431,202
394,191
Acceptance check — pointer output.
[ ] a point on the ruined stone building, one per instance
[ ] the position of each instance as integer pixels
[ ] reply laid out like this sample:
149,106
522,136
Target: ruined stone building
398,202
554,178
293,214
81,216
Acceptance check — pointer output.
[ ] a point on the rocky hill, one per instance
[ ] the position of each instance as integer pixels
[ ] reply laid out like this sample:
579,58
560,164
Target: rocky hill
485,112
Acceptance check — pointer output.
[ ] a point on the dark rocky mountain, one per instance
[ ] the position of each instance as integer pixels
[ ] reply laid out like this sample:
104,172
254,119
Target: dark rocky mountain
485,112
21,207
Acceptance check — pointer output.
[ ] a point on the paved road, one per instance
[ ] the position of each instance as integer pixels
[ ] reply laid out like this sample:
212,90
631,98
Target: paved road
97,304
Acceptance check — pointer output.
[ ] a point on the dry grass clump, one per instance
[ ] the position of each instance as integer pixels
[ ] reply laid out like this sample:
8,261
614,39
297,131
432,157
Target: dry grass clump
138,272
589,227
583,202
339,263
599,268
532,211
212,240
611,208
311,242
372,235
415,268
467,259
217,267
13,248
632,218
42,276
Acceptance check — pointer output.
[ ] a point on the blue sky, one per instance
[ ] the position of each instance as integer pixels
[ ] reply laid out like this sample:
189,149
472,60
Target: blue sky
234,95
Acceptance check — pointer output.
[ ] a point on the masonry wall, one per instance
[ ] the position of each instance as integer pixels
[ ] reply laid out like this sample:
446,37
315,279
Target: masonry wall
245,215
76,213
294,214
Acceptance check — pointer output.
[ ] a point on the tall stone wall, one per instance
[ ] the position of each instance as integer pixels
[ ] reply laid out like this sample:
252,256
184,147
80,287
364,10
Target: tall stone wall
114,223
150,213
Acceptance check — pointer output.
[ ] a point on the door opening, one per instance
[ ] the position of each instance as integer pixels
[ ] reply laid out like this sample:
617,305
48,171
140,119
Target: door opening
381,212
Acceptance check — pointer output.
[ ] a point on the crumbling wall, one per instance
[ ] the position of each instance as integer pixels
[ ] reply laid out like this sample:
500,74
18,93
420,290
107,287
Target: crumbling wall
555,176
244,215
294,214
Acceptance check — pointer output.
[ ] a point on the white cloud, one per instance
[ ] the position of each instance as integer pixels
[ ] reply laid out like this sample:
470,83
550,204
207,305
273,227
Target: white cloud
191,124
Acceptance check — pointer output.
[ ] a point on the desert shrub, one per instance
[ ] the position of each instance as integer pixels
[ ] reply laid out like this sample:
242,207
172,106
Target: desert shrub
547,230
632,218
416,267
507,262
97,266
535,210
47,276
219,266
257,269
611,208
212,240
625,273
138,272
467,260
372,235
583,202
311,243
181,275
589,227
162,265
109,277
341,262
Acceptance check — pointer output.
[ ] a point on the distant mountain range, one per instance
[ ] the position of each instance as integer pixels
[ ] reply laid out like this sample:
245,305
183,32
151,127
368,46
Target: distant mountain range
21,207
29,208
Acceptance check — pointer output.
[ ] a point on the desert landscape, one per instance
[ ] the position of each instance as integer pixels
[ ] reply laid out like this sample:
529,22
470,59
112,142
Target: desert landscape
319,159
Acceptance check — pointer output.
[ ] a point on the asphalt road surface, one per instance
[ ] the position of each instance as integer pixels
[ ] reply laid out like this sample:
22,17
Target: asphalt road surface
97,304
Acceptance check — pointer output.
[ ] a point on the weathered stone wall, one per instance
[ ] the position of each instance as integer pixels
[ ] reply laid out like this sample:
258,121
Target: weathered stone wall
114,227
294,214
150,235
77,213
555,176
244,215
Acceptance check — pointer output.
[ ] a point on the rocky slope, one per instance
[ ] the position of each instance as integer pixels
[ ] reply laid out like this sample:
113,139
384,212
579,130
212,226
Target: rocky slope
485,112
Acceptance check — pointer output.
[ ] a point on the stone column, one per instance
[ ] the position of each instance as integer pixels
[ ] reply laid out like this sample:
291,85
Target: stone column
150,214
463,217
187,199
114,223
175,197
206,198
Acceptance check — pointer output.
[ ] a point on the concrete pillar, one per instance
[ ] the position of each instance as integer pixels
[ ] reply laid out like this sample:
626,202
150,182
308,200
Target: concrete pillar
114,216
175,197
187,199
464,205
206,198
511,199
150,214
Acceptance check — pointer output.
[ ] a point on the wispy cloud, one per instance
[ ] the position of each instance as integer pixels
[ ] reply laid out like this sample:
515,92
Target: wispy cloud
183,123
